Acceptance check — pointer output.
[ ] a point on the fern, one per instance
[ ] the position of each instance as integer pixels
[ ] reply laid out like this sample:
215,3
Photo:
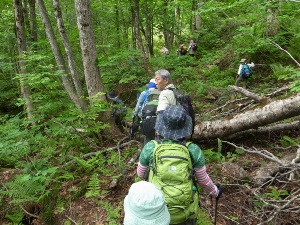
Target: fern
93,186
28,188
84,164
287,141
60,205
22,189
113,212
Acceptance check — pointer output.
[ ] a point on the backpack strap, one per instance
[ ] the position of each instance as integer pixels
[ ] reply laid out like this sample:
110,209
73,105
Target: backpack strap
175,92
155,143
188,143
146,96
153,157
192,172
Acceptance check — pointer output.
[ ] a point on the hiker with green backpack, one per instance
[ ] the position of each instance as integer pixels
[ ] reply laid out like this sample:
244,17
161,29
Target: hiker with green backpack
176,166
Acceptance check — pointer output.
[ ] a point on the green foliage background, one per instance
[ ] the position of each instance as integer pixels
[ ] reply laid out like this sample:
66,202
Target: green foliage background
40,150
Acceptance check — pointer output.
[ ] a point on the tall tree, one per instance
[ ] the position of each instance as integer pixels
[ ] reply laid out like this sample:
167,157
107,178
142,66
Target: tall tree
196,25
58,54
21,42
69,53
138,36
88,49
272,20
148,28
168,23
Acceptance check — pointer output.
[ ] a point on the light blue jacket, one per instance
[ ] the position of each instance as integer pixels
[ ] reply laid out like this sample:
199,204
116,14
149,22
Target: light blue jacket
140,102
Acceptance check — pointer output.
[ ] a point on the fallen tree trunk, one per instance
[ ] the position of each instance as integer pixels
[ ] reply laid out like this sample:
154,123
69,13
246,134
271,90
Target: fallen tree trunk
262,115
268,129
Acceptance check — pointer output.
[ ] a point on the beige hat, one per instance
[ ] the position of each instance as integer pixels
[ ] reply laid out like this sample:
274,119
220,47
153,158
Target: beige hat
243,60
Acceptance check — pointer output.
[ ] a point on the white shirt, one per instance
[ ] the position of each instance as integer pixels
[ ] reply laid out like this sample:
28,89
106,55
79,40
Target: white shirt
166,98
241,66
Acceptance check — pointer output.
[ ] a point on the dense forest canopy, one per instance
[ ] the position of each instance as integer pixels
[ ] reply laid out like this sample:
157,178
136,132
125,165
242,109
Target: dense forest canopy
59,58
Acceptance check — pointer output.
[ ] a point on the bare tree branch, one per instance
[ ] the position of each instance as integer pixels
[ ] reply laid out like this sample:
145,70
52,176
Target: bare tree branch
279,47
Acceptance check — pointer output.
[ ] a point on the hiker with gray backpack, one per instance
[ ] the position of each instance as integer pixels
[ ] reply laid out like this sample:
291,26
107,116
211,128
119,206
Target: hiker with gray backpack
176,166
192,48
170,95
244,73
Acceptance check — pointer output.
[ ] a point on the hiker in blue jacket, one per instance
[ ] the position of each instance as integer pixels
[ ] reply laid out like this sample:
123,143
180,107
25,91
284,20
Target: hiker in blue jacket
137,113
239,77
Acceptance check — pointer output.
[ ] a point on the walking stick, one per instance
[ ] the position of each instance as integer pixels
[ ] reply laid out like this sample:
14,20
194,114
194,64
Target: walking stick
216,211
216,203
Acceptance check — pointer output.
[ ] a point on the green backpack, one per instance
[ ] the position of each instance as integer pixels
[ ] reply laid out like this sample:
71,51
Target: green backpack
172,172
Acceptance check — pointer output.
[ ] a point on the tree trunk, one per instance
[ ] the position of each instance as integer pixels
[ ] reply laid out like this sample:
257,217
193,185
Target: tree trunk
69,53
88,50
260,116
168,26
197,16
33,22
21,42
148,31
273,22
139,40
57,54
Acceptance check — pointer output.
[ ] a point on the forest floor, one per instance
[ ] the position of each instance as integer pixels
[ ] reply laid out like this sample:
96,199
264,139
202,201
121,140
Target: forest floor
238,205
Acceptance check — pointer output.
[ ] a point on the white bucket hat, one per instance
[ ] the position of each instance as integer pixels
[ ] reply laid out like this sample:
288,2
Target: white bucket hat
145,205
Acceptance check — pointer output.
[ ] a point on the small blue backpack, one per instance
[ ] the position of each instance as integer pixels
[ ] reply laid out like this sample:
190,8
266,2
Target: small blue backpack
246,72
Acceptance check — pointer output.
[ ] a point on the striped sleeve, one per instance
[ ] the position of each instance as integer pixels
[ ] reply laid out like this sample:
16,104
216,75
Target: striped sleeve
205,181
142,171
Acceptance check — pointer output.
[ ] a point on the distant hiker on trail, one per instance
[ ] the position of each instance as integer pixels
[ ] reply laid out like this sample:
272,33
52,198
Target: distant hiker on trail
192,48
170,95
119,112
171,164
164,51
142,100
145,205
182,50
244,73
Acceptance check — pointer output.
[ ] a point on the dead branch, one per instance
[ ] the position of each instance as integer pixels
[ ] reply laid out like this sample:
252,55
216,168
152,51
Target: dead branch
294,161
279,209
101,151
264,153
279,91
115,181
279,47
250,94
267,129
